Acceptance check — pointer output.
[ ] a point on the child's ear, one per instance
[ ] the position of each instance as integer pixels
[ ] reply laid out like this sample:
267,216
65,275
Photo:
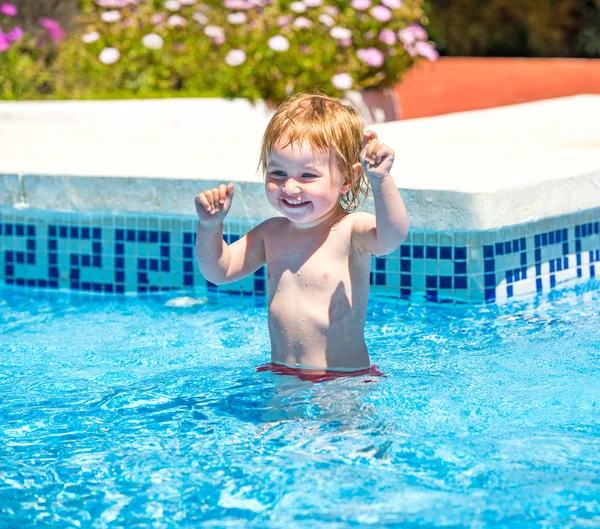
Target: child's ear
357,170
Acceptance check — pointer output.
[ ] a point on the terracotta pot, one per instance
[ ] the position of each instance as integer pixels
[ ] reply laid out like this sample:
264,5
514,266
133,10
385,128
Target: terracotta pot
458,84
376,105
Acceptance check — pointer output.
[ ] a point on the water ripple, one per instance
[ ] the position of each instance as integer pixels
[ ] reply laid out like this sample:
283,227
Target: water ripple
488,417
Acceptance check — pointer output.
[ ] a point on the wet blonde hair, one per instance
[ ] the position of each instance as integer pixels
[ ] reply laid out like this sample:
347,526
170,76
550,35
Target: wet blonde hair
325,123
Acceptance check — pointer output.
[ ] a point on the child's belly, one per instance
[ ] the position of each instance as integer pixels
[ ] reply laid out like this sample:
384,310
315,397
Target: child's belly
315,327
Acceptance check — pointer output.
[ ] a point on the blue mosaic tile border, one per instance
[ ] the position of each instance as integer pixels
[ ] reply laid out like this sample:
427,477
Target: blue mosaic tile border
119,254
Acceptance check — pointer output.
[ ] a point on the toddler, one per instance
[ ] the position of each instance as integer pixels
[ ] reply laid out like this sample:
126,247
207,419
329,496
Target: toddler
317,164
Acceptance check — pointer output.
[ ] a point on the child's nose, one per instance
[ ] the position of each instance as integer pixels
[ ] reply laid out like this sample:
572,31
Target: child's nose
291,187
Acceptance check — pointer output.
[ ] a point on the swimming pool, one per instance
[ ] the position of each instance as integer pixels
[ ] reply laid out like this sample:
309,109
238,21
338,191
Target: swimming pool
128,412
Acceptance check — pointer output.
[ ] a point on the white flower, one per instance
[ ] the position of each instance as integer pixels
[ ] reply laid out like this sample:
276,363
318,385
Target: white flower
298,7
200,18
279,43
303,23
340,33
392,4
109,55
237,18
313,3
342,81
90,37
187,2
235,57
152,41
110,16
327,20
172,5
176,21
213,31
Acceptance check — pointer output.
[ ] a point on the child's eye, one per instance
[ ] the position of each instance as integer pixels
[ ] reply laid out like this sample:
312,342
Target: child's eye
277,173
309,175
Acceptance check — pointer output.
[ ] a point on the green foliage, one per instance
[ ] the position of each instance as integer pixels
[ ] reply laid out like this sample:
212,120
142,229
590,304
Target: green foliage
188,57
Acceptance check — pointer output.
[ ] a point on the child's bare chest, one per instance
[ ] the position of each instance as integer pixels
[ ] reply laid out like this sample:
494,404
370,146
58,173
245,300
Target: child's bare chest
303,263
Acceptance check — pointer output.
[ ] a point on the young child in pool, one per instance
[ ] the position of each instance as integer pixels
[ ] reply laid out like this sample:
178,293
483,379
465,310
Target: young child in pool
316,160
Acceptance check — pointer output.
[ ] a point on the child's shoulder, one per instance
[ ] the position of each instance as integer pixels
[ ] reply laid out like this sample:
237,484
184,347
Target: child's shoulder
272,224
360,219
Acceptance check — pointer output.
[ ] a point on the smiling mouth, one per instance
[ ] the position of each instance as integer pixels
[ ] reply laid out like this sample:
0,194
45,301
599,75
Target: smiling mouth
293,203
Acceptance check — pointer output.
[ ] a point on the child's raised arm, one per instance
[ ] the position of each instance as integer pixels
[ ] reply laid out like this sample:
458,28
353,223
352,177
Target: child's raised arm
219,262
386,231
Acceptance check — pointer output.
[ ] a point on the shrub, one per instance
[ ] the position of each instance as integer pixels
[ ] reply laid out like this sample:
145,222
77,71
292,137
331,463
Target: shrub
25,59
258,49
270,50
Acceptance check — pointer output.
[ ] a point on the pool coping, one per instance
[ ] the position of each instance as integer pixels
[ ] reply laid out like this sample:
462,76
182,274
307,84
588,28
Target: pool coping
428,209
465,171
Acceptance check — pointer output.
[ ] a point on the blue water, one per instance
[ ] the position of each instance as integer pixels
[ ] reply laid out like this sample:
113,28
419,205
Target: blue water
130,413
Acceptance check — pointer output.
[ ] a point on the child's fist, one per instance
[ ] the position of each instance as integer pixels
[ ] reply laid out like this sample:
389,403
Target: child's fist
376,157
213,205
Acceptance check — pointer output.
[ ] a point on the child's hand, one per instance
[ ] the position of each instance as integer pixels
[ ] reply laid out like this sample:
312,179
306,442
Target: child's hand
376,157
213,205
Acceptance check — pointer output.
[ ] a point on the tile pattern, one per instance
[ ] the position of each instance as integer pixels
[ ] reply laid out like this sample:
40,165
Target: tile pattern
117,254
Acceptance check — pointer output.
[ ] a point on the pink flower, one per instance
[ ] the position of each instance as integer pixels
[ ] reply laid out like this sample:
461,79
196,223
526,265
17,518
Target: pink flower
4,42
342,81
393,4
187,2
55,32
279,43
326,19
9,10
284,20
49,24
381,14
109,55
14,34
424,49
387,36
411,50
313,3
361,5
303,23
157,18
238,4
235,57
412,33
113,3
176,21
201,18
371,57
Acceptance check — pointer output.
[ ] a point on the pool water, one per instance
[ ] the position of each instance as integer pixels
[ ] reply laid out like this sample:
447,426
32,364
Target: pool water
132,413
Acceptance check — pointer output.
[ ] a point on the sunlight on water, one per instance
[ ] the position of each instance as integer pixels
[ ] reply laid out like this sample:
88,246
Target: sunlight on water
138,412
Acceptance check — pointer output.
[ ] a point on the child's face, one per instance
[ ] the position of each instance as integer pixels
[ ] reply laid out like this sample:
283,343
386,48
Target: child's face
304,185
